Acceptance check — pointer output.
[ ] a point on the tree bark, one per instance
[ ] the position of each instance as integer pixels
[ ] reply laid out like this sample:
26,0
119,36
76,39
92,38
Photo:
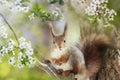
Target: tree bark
110,69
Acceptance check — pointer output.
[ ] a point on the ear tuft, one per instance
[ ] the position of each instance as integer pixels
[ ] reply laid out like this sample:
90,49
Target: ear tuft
51,29
65,30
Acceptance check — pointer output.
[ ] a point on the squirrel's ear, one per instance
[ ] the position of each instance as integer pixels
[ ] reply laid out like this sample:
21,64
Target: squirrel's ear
51,30
65,30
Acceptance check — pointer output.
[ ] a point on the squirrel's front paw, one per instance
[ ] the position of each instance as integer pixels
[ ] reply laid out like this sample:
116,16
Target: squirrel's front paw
46,61
81,77
64,73
60,71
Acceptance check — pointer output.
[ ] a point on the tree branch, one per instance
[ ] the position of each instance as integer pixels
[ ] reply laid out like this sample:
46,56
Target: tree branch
10,27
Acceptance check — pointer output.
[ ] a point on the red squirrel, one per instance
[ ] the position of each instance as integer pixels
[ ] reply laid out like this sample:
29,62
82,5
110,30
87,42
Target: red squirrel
83,60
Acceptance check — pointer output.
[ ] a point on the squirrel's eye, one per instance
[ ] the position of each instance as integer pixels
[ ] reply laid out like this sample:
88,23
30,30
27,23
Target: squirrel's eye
64,41
53,42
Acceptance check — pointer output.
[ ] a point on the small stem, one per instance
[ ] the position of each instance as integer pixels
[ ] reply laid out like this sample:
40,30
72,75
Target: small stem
10,28
45,67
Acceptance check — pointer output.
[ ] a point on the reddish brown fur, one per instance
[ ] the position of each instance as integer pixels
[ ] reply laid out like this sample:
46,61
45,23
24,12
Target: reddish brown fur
64,73
93,48
59,40
61,60
76,69
75,64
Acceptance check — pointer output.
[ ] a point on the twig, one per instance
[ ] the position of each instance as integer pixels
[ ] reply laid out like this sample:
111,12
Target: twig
43,69
49,68
10,27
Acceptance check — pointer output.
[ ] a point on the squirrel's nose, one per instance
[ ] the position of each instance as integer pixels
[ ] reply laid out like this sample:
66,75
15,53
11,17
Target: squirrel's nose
60,47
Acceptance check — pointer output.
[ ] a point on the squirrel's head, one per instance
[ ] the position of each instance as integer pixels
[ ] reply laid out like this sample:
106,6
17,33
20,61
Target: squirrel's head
59,41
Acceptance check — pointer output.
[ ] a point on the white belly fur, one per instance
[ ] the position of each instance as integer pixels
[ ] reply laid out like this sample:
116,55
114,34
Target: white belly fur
68,65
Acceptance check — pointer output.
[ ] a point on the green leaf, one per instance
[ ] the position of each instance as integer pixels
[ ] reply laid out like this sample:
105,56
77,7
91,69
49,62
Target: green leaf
61,2
25,60
53,1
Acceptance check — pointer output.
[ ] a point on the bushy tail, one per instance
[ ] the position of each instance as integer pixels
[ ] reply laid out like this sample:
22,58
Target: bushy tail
94,47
